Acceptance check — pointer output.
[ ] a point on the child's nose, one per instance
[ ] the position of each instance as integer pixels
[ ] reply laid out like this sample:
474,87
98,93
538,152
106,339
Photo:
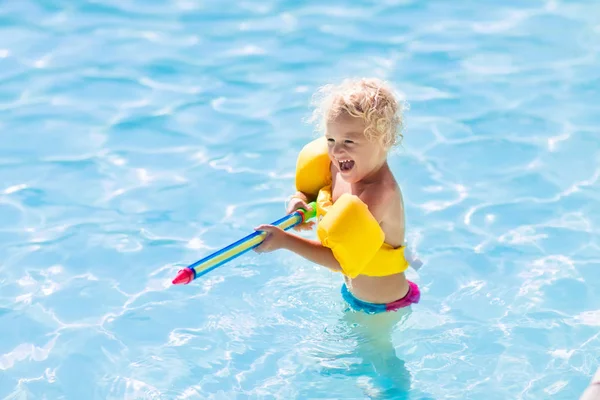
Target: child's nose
337,149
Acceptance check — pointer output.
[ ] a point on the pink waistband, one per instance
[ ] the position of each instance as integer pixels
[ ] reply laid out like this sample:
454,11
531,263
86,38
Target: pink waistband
412,297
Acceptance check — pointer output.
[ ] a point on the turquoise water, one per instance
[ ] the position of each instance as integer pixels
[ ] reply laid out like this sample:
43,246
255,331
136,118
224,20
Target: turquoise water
138,136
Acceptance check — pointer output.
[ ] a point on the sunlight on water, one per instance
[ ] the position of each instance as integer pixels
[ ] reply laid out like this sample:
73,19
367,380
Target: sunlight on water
139,136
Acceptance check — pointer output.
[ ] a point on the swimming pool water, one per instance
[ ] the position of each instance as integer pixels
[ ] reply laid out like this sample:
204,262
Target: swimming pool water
138,136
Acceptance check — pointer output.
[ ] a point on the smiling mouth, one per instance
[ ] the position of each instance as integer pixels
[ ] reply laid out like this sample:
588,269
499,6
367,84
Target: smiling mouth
345,165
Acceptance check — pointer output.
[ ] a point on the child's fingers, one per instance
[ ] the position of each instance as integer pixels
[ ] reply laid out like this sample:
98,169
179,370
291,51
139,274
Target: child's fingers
303,204
265,228
293,207
306,226
298,203
263,247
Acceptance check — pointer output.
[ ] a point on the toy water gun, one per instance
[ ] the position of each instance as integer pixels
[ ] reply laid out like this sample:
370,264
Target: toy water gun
226,254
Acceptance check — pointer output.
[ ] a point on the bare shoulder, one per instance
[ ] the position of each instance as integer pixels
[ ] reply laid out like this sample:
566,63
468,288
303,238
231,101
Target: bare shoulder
386,204
383,198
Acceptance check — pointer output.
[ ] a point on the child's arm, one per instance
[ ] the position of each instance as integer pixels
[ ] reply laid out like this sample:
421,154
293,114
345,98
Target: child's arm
312,250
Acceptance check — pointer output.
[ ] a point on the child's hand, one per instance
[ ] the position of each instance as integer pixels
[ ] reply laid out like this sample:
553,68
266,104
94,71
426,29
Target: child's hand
295,204
274,240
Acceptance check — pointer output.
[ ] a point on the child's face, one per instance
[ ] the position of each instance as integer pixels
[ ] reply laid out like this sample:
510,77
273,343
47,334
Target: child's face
355,156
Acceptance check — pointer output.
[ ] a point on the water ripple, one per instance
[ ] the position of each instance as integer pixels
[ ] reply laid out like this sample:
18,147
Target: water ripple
139,136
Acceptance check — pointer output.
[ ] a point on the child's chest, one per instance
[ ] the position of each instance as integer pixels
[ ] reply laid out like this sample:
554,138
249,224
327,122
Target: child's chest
339,186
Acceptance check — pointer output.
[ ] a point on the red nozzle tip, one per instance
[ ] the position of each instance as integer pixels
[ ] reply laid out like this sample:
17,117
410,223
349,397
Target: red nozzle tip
184,276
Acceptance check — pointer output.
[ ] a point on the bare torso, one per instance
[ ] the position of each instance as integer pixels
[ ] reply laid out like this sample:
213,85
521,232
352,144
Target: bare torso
387,288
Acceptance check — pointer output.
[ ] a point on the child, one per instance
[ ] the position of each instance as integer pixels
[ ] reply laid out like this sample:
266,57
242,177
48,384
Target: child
361,230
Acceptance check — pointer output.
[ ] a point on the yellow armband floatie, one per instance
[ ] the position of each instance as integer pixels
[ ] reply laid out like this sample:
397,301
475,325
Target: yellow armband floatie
313,167
352,233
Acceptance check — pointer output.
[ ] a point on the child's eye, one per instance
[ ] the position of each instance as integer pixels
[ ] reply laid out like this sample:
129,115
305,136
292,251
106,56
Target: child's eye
348,141
330,140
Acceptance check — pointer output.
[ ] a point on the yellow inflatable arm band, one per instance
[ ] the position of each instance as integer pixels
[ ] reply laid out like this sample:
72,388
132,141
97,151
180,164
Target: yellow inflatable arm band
313,168
352,233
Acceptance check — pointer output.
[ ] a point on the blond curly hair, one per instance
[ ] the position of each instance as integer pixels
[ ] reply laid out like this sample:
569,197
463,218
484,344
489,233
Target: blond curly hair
371,99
